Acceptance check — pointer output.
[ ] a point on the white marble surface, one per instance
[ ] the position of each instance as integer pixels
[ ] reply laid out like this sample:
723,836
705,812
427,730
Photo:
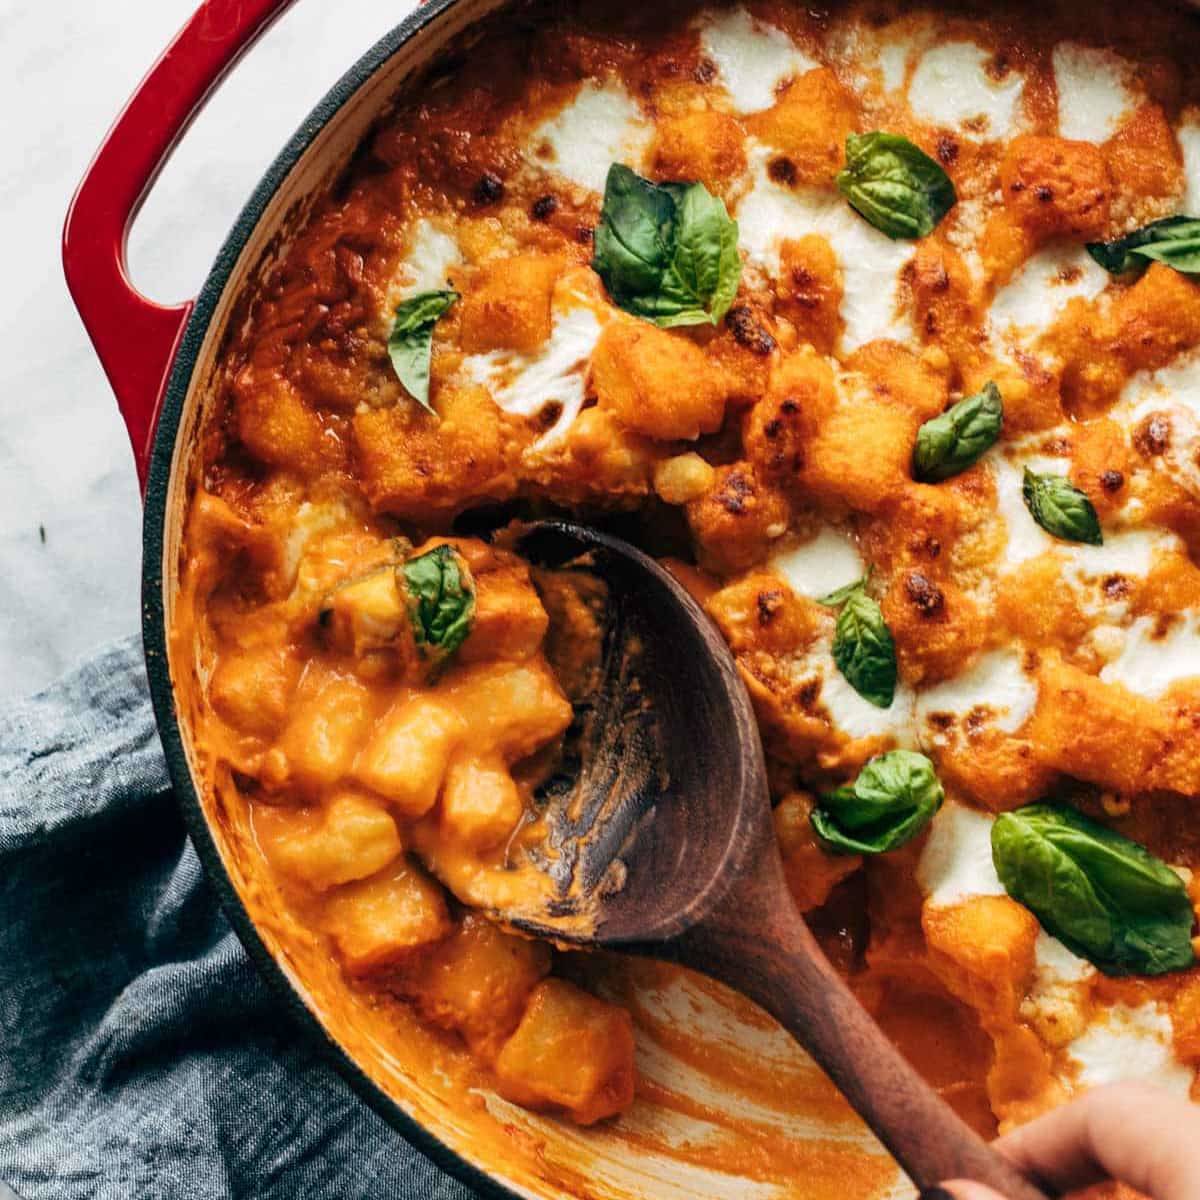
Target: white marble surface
65,463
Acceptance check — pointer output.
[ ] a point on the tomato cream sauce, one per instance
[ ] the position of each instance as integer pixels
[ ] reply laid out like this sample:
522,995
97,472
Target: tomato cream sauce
368,799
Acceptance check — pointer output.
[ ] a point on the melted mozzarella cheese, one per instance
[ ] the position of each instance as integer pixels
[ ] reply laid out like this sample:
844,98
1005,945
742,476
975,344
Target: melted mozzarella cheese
1129,1042
994,689
1188,135
1181,459
1151,662
1025,537
1056,965
754,59
872,264
1049,279
964,228
1056,1003
1178,383
877,58
1094,91
1125,554
1174,393
956,861
820,566
600,126
1089,571
431,254
848,712
859,718
893,58
769,213
425,267
952,88
555,375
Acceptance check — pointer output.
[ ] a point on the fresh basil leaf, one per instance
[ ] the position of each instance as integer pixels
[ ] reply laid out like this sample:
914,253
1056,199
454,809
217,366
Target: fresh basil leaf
410,344
441,599
633,240
1106,898
705,267
864,651
895,185
1180,254
666,252
863,648
839,596
1061,509
894,797
1172,240
947,445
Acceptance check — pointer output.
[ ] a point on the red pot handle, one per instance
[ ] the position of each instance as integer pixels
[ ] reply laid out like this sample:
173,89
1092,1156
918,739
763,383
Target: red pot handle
135,338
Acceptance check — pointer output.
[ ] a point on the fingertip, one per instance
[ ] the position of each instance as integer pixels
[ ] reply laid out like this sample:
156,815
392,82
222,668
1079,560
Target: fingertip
960,1189
1141,1135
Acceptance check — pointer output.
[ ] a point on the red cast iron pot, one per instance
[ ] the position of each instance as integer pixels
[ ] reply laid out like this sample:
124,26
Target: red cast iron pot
160,361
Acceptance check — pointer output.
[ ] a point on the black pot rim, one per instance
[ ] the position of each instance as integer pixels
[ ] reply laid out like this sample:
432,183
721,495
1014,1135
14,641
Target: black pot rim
154,634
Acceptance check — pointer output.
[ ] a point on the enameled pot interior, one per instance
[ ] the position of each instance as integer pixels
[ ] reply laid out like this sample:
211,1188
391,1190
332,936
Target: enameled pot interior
701,1141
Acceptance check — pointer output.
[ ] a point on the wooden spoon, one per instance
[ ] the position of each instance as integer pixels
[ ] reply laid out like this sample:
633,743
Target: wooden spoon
663,845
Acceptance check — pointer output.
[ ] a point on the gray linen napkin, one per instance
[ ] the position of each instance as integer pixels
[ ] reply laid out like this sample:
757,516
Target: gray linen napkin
141,1057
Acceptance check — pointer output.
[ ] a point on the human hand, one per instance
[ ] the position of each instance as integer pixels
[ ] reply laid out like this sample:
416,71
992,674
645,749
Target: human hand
1133,1133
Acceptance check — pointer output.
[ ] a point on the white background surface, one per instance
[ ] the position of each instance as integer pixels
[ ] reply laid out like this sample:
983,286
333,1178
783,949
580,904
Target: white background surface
65,463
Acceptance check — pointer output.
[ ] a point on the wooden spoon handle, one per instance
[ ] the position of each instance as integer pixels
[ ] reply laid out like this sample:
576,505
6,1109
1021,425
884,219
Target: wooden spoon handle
766,952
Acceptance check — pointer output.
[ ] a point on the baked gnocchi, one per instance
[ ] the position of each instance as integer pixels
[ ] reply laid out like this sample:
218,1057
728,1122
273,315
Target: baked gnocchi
886,321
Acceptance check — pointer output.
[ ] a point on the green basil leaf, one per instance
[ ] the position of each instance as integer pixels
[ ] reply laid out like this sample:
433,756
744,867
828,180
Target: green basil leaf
666,252
1106,898
633,240
1172,240
839,596
441,599
863,648
410,344
705,267
895,185
1180,254
949,444
864,651
1061,509
894,797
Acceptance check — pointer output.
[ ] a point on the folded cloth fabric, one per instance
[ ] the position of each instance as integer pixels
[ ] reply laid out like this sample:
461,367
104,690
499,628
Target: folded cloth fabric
141,1057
